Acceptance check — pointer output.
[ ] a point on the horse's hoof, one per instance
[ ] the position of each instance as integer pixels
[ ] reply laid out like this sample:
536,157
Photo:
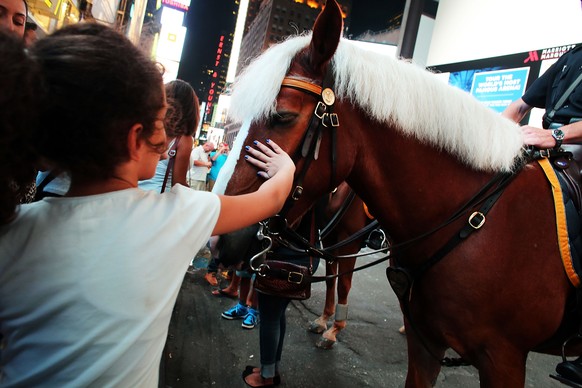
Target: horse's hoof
316,328
324,343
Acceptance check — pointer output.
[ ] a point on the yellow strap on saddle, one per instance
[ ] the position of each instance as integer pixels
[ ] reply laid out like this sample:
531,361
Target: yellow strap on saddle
561,225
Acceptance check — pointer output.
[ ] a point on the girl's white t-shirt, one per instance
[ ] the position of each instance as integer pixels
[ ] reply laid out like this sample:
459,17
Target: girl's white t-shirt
88,284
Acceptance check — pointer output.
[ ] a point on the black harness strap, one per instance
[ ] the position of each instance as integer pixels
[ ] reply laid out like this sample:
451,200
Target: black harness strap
402,279
366,229
338,215
321,117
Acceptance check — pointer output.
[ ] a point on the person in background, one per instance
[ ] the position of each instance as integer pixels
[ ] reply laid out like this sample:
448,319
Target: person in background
180,123
30,35
13,16
97,272
50,183
217,158
17,119
12,20
200,165
247,304
565,125
273,320
562,124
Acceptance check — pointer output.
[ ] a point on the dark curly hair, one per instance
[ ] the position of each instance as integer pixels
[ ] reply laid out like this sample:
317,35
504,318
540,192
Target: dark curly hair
97,85
183,109
18,104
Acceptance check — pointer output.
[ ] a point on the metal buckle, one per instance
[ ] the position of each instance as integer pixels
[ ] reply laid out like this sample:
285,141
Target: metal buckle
172,153
259,258
261,270
276,225
297,193
479,223
320,107
334,120
292,275
545,153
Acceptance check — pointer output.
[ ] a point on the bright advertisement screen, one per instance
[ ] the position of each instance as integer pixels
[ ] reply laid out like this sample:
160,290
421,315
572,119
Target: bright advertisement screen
171,42
499,88
498,81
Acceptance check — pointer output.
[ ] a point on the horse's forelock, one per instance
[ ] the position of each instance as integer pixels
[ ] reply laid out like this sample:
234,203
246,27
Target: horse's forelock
256,89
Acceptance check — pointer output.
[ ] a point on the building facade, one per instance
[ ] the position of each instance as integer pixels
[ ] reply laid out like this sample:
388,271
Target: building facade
271,21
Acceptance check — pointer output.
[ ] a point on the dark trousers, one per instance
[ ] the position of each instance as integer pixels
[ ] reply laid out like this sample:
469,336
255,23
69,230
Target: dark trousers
272,327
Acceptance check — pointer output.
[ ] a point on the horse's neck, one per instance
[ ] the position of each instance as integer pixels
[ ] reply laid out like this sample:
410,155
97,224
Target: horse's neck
410,187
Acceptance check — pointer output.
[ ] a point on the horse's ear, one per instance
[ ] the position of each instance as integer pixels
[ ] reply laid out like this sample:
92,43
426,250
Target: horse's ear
327,31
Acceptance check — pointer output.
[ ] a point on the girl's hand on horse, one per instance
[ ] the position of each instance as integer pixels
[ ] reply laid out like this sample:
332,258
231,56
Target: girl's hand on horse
537,137
271,161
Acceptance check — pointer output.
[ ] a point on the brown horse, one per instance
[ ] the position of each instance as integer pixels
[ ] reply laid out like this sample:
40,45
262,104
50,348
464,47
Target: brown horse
416,151
350,222
353,220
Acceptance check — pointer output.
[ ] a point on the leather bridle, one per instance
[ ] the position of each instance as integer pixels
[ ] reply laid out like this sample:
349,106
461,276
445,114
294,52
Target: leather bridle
277,227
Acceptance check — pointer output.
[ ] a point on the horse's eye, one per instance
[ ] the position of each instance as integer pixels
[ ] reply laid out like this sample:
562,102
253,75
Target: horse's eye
280,119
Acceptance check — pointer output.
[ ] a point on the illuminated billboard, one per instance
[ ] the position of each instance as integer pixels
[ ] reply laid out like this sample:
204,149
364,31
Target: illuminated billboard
171,42
179,4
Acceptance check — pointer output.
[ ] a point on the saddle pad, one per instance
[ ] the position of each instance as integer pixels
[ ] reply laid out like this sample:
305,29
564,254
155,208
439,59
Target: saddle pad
561,203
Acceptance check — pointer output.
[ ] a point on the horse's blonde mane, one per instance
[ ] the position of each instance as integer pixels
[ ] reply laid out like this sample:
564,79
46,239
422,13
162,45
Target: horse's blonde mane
390,91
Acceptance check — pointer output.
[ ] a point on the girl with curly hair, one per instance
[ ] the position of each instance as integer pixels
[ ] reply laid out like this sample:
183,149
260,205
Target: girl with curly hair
88,281
181,120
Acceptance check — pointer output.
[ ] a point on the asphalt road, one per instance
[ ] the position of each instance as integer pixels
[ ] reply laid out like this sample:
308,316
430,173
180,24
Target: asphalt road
204,350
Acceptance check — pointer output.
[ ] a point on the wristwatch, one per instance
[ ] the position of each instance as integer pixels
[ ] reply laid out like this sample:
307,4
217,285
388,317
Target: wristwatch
558,135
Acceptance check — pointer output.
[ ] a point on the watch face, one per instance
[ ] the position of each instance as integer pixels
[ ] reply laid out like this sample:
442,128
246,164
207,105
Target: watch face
558,134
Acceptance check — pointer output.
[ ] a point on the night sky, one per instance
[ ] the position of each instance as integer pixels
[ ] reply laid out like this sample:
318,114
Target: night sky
208,19
373,15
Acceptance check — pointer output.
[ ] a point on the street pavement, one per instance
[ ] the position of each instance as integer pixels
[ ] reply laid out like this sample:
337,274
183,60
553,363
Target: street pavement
204,350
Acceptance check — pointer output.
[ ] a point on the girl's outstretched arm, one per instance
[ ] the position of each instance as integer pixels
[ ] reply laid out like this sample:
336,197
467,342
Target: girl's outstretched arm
237,212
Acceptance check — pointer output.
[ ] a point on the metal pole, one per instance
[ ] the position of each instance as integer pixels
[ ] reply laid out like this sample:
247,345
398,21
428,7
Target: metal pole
410,22
136,24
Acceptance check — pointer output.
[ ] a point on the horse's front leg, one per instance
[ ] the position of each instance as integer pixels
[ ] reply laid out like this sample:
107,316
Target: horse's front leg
329,337
423,366
500,365
319,325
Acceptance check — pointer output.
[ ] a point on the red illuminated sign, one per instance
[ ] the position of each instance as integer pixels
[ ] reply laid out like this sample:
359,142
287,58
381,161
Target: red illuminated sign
213,84
180,4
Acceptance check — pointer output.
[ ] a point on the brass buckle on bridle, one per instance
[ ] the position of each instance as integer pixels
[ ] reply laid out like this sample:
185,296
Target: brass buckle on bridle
297,275
320,110
297,191
479,222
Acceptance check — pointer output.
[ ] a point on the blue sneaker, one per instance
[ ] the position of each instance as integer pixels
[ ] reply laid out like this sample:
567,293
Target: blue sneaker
237,312
251,319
